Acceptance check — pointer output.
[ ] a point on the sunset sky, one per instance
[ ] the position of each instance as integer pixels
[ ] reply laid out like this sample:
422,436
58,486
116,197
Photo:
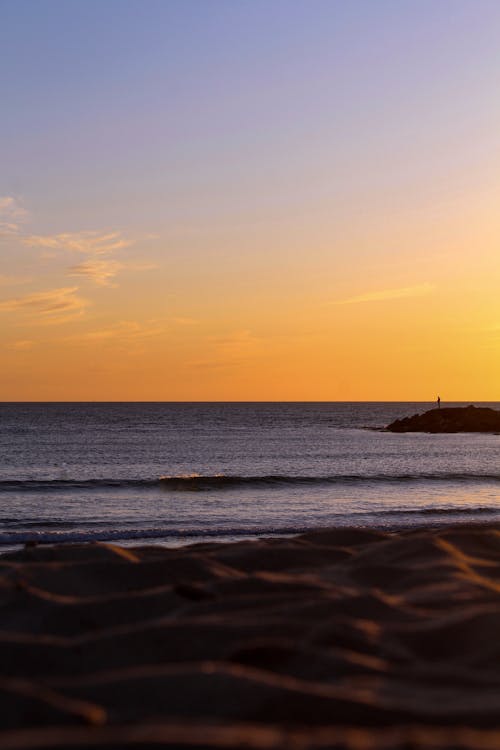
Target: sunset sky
249,200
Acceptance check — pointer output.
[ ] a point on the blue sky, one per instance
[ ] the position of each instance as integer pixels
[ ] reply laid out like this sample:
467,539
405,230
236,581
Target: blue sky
176,101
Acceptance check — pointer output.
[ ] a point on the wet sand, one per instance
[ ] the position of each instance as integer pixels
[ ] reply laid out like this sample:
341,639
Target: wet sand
333,639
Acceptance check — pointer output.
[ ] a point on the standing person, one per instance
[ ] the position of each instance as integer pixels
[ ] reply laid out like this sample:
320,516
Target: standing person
439,402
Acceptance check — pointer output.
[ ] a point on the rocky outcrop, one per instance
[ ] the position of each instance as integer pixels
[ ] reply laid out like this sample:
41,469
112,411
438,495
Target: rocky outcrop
457,419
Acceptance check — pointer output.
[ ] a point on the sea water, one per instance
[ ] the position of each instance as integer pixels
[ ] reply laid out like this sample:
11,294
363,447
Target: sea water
176,473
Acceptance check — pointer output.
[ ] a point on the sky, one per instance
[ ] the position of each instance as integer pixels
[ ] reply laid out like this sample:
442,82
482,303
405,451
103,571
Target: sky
249,200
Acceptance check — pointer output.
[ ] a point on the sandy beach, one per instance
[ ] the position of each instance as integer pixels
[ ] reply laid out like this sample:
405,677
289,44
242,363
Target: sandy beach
336,638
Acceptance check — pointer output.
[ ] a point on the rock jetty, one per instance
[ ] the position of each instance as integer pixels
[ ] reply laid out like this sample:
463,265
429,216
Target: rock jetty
453,419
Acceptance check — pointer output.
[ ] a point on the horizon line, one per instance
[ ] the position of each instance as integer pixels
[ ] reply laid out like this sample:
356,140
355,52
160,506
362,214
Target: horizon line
255,401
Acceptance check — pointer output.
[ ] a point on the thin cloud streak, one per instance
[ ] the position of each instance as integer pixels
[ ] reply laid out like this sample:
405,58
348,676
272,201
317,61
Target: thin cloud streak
99,271
23,345
124,332
102,271
236,348
419,290
54,306
8,229
11,214
99,246
11,207
89,243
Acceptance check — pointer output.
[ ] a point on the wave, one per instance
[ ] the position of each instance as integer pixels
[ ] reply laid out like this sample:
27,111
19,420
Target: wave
223,481
67,533
110,535
37,485
196,482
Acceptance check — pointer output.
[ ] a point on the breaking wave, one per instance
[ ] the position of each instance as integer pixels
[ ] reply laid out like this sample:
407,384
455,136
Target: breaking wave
53,531
196,482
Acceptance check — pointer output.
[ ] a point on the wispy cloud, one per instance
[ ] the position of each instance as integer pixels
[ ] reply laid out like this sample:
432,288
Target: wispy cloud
419,290
124,332
98,267
90,242
100,264
234,349
8,229
101,272
12,214
23,345
237,340
10,206
53,306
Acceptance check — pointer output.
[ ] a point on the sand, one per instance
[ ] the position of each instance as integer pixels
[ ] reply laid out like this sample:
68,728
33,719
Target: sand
333,639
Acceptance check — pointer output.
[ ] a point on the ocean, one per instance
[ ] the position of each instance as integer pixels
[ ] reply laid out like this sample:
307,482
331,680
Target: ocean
177,473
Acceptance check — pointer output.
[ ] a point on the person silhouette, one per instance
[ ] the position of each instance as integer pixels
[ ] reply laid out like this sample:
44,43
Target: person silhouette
439,402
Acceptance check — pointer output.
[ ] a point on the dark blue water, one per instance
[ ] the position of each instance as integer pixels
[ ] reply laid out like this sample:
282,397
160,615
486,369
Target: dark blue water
176,473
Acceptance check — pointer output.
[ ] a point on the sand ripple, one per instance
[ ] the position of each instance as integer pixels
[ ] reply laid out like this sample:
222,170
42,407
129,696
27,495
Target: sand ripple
334,639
